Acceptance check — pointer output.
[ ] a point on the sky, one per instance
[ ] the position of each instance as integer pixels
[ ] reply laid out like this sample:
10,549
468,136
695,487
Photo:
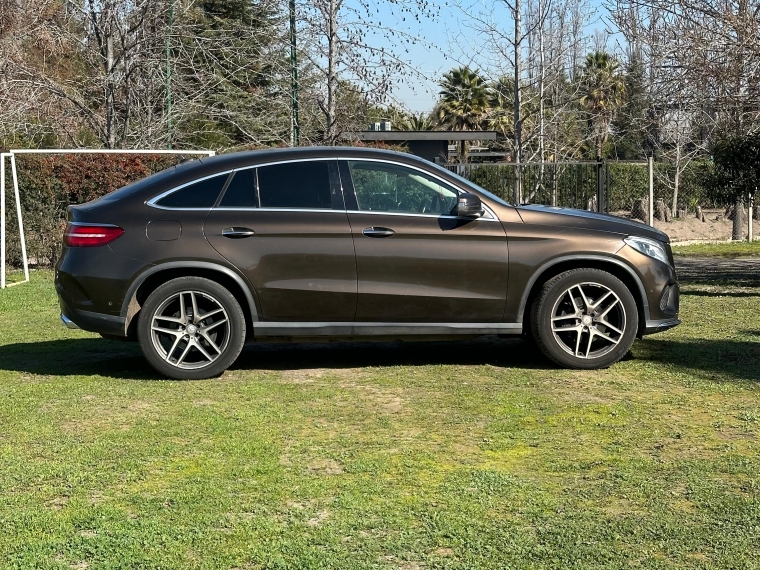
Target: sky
445,43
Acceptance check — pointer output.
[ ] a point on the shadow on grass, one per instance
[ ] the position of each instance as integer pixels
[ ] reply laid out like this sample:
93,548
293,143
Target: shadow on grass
737,359
112,359
701,293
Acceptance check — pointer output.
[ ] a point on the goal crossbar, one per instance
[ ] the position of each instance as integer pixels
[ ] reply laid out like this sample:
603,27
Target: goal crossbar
11,154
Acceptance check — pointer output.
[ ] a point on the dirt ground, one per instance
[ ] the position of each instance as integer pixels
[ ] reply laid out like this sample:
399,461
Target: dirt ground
691,229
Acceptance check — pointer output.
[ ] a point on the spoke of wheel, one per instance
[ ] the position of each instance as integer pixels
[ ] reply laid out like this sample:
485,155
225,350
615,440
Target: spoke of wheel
173,348
211,314
564,318
184,352
569,293
211,342
609,326
182,312
578,341
214,325
203,351
601,300
170,319
167,331
608,309
583,296
605,337
591,334
195,306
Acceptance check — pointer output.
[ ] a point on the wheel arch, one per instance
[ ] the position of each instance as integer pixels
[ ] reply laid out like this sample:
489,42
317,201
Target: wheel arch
156,276
616,267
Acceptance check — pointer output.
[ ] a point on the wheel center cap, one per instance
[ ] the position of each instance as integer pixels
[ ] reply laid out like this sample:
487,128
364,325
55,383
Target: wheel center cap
587,320
192,329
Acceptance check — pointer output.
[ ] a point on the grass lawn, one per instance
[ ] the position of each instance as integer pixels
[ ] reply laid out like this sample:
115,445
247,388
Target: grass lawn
728,250
435,455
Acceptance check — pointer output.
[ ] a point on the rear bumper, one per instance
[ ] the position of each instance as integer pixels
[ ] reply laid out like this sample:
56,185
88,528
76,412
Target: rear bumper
89,321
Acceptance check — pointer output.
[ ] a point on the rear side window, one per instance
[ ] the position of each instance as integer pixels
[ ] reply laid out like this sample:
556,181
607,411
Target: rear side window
295,185
241,191
200,194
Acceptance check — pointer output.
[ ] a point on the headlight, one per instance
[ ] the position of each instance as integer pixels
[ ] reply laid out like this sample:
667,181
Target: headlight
649,247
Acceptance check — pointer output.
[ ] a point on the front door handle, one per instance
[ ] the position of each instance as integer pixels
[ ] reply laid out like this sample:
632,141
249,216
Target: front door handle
378,232
237,233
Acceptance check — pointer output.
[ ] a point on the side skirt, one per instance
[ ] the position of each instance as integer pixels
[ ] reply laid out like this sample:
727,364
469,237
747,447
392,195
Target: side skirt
349,330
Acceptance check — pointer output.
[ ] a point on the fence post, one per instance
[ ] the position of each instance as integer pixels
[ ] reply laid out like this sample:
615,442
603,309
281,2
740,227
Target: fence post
650,162
599,186
750,211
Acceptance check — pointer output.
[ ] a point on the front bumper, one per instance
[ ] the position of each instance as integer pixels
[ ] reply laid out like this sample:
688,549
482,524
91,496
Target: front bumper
653,327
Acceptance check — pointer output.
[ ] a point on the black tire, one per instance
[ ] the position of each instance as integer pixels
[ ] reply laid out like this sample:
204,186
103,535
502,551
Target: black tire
172,348
580,337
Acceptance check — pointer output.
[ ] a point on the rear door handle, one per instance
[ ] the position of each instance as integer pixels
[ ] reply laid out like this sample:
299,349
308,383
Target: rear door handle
378,232
237,233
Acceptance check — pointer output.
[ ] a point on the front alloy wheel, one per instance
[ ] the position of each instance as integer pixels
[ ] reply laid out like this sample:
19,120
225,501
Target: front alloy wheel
191,328
585,318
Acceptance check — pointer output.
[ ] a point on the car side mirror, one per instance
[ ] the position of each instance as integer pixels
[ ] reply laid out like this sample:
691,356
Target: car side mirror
469,206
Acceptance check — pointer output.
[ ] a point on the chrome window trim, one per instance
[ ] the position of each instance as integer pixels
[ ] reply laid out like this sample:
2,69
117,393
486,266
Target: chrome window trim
152,201
413,215
313,210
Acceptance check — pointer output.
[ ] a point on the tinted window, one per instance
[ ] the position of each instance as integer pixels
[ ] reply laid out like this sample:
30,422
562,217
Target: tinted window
201,194
295,185
389,188
241,192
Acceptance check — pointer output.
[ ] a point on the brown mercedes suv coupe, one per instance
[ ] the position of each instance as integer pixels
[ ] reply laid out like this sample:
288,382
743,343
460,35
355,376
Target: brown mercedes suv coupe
352,244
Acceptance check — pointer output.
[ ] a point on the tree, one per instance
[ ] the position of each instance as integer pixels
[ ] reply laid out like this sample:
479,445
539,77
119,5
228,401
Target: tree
463,103
341,46
603,89
737,168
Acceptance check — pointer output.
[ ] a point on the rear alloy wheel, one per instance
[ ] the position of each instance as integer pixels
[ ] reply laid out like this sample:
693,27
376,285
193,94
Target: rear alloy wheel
191,328
585,318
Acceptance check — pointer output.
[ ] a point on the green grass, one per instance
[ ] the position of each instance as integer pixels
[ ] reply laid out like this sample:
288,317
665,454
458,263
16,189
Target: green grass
729,250
435,455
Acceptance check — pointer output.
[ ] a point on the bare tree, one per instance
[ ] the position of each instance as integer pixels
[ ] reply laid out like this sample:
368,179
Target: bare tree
345,45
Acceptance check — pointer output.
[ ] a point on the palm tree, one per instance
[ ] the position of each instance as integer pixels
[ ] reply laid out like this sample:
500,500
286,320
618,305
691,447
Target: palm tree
464,101
501,102
603,88
420,122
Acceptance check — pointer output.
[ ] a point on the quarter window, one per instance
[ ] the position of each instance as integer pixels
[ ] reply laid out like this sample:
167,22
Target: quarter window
201,194
295,185
241,191
390,188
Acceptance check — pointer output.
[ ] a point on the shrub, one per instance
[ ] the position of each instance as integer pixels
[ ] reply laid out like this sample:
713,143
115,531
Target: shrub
48,184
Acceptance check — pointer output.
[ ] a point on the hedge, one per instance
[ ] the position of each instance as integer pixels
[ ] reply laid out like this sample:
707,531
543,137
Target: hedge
50,183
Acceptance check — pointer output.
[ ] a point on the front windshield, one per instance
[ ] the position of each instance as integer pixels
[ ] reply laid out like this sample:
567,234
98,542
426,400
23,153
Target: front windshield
480,189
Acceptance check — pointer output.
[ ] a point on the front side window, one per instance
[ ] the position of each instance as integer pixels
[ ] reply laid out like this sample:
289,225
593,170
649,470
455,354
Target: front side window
295,185
391,188
202,194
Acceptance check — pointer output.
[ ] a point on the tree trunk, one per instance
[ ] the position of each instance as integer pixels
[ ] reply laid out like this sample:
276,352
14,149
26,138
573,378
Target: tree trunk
738,230
332,76
110,90
677,177
640,210
681,214
700,214
659,210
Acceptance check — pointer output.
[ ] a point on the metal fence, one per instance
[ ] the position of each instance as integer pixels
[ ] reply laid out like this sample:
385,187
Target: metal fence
600,186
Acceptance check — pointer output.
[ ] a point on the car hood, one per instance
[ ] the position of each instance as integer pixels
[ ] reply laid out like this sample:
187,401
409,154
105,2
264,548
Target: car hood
567,217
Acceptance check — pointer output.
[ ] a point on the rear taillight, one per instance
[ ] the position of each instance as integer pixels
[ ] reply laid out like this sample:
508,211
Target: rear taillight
90,235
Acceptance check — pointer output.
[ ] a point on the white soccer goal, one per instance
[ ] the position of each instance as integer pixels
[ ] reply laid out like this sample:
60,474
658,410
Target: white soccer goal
16,193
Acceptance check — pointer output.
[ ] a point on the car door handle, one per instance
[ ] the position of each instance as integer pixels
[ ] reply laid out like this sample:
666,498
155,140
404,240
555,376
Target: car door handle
237,233
378,232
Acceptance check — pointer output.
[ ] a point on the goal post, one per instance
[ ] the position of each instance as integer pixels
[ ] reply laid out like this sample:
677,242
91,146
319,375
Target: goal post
11,155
